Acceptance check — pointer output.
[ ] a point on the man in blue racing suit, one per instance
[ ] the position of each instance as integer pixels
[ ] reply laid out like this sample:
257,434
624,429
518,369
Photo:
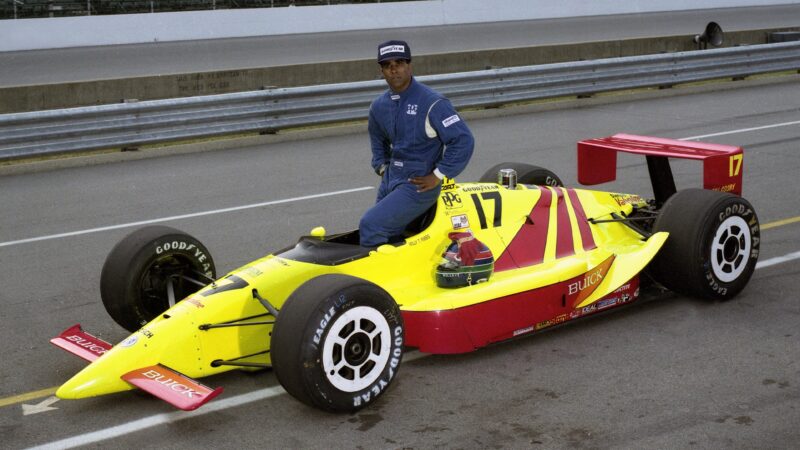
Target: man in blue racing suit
417,139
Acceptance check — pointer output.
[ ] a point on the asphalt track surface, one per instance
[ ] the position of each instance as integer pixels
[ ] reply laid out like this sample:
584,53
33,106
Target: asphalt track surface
673,372
110,62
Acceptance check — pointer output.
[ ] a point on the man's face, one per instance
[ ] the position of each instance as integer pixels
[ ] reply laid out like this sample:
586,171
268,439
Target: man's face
397,74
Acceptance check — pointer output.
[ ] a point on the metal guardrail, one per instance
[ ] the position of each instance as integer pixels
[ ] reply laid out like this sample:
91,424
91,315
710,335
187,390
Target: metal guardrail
24,135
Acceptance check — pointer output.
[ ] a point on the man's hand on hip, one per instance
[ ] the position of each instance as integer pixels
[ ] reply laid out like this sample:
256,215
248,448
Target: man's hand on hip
425,183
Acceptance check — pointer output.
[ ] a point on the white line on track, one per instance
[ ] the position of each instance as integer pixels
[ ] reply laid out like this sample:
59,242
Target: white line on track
183,216
777,260
741,130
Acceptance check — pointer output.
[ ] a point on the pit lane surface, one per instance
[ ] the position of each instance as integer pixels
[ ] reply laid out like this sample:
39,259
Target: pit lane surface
669,373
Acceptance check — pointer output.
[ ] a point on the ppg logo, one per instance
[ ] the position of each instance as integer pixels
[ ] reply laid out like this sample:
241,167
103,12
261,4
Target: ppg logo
451,199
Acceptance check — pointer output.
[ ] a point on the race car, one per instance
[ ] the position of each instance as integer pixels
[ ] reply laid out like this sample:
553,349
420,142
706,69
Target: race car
502,258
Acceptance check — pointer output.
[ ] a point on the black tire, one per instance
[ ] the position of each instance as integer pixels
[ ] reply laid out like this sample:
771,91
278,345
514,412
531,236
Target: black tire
712,247
133,283
330,329
526,174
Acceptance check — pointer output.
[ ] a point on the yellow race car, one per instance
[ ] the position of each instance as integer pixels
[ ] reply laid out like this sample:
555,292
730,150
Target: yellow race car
494,260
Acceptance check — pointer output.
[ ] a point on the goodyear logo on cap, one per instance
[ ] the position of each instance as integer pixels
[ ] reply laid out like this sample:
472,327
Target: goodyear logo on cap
393,49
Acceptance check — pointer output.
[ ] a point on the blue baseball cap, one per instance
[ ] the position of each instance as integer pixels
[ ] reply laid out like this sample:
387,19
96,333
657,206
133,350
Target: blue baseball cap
390,50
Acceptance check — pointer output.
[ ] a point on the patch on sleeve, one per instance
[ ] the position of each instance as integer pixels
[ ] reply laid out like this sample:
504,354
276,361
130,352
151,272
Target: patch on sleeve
451,120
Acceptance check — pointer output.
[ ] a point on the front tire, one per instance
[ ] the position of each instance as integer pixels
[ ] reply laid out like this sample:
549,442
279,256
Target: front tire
143,266
337,343
713,244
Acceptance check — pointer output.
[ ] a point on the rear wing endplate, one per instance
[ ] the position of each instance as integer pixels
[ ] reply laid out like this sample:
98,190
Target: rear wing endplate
722,164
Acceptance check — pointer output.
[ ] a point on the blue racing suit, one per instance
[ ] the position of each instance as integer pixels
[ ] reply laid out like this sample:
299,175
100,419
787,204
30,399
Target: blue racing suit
413,133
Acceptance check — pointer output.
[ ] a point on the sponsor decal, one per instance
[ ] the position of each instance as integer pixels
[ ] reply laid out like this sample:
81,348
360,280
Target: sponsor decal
585,311
130,341
523,331
589,280
393,49
481,188
554,321
607,303
451,120
172,384
147,333
451,200
448,184
420,240
582,288
412,110
459,221
627,199
623,288
87,344
726,188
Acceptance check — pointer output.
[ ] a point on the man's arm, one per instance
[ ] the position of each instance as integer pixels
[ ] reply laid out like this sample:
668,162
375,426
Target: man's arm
456,136
379,142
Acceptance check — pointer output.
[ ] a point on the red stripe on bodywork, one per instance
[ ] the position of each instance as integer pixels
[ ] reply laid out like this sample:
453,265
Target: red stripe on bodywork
565,246
583,221
466,329
527,246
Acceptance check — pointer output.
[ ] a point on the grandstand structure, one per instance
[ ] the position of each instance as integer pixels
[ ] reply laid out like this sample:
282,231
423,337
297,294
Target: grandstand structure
31,9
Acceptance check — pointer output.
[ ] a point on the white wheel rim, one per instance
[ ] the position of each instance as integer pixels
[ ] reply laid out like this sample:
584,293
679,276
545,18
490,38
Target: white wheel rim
730,250
356,349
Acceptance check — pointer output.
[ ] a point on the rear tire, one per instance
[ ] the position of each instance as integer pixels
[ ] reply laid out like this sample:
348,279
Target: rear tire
337,343
526,174
133,283
713,244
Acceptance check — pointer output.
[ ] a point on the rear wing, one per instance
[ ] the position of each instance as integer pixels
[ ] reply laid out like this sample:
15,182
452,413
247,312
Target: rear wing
722,164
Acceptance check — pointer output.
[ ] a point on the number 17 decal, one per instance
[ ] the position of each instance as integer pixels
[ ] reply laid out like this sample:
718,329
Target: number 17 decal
498,208
735,165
